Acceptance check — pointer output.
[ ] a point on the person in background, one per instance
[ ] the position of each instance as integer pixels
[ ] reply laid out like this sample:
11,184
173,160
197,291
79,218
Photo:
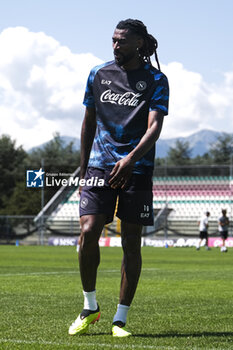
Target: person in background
223,224
203,228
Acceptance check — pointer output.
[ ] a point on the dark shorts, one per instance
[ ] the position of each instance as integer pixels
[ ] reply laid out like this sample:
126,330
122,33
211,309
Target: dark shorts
224,234
203,234
135,202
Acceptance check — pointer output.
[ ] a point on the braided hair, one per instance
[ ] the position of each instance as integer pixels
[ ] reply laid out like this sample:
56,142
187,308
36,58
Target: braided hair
150,43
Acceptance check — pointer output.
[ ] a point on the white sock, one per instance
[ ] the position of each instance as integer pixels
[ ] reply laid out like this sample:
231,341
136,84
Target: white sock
121,314
90,302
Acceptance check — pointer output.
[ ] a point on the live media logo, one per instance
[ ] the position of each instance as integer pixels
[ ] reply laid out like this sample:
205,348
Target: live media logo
35,178
38,178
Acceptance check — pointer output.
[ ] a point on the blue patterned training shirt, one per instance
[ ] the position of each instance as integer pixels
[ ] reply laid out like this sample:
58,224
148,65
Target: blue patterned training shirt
123,100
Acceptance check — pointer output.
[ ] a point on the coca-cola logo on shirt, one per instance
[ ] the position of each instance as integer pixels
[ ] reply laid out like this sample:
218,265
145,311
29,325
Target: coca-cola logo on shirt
127,99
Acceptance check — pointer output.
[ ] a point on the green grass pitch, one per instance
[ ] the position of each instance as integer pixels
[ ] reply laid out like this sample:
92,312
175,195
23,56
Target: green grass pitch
184,299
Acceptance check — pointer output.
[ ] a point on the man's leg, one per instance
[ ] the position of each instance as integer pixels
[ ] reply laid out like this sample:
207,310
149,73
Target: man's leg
224,236
223,245
89,254
130,273
89,259
199,242
207,242
132,261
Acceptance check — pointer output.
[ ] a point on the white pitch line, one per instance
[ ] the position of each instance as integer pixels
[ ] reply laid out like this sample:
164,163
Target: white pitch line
37,273
101,345
97,345
63,272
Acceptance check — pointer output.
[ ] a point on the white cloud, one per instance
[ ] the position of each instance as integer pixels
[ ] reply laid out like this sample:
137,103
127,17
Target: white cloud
42,85
195,104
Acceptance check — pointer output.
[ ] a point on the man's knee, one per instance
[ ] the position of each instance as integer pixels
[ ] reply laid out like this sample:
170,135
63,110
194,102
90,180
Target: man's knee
87,235
131,244
131,236
90,232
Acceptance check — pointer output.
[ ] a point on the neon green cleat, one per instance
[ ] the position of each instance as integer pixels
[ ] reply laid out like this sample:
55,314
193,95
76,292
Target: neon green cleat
120,332
82,322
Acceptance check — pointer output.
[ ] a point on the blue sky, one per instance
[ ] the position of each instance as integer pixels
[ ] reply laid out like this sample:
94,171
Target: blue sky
195,41
197,33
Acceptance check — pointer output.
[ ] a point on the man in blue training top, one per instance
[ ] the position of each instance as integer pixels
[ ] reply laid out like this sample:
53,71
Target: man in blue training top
126,100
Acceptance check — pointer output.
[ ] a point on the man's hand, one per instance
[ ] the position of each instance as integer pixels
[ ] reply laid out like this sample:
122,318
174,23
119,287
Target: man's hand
80,190
82,176
121,173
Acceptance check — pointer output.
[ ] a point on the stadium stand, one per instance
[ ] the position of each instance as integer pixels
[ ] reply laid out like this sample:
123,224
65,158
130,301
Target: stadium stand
189,197
179,201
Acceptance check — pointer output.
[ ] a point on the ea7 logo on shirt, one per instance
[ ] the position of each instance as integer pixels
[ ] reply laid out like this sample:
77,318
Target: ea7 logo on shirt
105,82
141,85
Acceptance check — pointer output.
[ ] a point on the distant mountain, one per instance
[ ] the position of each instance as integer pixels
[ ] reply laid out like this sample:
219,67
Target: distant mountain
199,143
65,139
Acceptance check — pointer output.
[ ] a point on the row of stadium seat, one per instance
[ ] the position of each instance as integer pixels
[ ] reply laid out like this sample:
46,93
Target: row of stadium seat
193,187
66,210
180,208
192,179
190,193
186,196
194,209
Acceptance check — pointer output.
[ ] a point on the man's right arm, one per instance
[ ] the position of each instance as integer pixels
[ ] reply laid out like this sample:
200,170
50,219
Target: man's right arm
87,137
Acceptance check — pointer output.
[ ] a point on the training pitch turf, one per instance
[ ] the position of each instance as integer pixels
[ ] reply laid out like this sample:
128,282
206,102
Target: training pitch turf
184,299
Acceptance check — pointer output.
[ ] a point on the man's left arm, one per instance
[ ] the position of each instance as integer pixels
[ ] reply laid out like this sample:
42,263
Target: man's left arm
122,170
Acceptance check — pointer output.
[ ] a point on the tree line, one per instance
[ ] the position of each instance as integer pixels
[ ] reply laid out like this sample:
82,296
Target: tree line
17,199
220,153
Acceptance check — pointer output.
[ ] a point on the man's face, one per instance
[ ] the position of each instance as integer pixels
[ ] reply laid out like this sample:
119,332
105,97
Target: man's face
125,46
